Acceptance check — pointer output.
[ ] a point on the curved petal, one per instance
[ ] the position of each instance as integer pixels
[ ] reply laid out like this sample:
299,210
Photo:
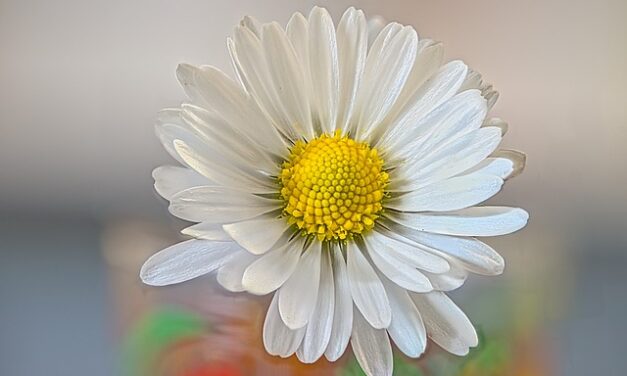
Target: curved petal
442,86
473,254
352,46
406,329
451,194
230,275
400,272
387,244
324,69
371,347
366,288
446,324
476,221
278,339
451,159
518,158
319,328
451,280
297,297
219,205
270,271
258,235
343,309
207,231
170,180
387,68
287,77
184,261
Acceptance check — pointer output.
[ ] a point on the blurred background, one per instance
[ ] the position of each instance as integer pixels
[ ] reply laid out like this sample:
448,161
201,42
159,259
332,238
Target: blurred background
81,82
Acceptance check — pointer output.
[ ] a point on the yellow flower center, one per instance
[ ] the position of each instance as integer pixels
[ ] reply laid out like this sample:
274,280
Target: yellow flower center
333,187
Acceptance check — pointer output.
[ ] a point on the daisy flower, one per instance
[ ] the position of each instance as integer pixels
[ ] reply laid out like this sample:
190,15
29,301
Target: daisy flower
339,172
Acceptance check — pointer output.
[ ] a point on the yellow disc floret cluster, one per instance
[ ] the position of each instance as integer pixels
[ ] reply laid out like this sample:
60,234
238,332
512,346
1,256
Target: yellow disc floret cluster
333,187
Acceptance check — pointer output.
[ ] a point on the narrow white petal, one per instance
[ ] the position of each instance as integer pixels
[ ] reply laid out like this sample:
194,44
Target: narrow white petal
476,221
352,44
446,324
184,261
297,297
471,253
501,167
258,235
287,77
442,86
453,118
453,158
324,69
371,347
278,339
406,329
451,280
388,65
270,271
401,273
219,205
387,244
230,275
450,194
319,328
366,288
343,309
207,231
170,180
252,24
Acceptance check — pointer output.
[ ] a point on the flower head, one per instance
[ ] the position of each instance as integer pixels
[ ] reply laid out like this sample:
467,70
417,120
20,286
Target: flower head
341,172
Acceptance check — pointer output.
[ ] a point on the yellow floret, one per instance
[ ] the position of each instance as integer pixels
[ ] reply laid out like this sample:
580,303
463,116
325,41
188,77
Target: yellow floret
333,187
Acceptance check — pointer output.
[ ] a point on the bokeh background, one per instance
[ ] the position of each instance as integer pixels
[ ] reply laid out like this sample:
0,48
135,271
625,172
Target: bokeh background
81,82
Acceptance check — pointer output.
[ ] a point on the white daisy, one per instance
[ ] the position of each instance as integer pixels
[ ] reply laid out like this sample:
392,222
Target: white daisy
339,172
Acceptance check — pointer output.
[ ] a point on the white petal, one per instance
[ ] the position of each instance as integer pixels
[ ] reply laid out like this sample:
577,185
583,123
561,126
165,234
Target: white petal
343,309
297,297
213,167
287,77
170,180
399,272
371,347
184,261
501,167
387,244
217,92
252,24
271,270
477,221
519,159
453,158
446,324
352,45
388,65
473,254
258,235
366,288
323,64
406,329
451,280
450,194
230,275
434,92
278,339
455,117
497,122
219,205
207,231
319,328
